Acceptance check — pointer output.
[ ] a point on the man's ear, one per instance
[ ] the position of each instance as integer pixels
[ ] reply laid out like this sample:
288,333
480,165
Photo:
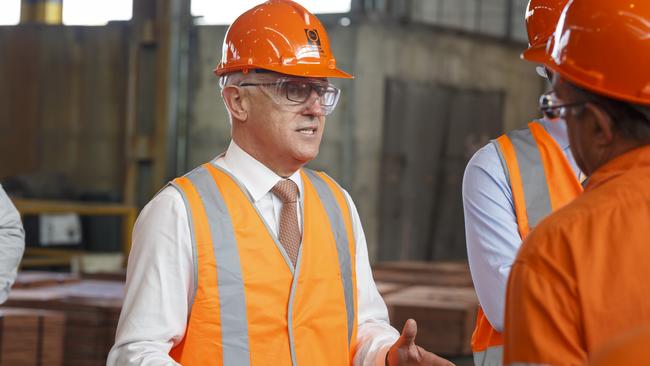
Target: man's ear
601,125
236,101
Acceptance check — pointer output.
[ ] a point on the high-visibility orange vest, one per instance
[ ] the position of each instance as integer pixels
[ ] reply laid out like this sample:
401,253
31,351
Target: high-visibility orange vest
251,307
542,181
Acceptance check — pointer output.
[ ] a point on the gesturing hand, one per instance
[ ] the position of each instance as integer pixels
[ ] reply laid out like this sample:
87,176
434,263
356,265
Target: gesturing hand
406,353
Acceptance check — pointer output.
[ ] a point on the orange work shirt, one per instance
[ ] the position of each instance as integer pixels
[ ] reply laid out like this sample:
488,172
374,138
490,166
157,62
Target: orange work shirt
583,275
629,349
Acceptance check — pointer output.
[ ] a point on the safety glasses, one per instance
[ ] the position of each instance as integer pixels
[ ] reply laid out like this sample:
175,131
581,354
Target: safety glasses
552,107
298,91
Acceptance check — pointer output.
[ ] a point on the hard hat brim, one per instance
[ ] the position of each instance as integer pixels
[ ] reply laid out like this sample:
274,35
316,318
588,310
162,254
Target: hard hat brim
308,72
536,54
576,76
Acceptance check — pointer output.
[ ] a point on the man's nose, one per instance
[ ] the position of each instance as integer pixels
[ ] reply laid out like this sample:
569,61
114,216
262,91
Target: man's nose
314,106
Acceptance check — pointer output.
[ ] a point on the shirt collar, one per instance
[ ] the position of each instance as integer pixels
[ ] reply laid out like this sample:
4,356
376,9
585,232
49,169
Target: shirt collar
557,129
631,160
256,177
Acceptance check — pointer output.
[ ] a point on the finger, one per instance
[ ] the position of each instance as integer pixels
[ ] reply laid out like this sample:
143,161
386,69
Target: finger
408,333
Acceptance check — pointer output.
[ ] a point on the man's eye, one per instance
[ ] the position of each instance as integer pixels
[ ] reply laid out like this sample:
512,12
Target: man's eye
320,90
297,87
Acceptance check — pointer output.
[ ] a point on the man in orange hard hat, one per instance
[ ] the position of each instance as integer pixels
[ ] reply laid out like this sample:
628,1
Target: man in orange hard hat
581,277
252,259
508,187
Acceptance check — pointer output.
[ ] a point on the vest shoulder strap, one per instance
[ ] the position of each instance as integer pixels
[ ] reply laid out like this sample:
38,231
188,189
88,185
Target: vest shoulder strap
522,162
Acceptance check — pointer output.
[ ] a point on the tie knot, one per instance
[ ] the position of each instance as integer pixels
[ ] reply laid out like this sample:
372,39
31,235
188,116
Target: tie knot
286,190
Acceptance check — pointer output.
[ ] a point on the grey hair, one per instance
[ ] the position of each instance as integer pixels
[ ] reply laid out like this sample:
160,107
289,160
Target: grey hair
232,78
235,78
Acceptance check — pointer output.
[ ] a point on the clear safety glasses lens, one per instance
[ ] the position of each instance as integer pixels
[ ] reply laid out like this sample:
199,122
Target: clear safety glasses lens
297,91
552,107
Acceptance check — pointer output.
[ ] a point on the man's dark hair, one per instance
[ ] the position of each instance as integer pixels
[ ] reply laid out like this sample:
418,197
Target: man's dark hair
631,120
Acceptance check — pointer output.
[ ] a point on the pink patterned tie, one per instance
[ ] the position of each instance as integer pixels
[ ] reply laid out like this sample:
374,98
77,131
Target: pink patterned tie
289,234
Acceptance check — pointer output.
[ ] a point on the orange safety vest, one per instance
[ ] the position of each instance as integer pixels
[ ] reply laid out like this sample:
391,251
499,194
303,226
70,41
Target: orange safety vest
542,181
251,307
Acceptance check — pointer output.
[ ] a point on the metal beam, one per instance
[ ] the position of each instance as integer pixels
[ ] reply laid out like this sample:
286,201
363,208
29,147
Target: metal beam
157,97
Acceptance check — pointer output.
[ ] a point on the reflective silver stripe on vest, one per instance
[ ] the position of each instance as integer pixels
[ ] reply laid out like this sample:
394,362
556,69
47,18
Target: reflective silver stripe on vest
292,296
195,261
492,356
232,300
504,164
341,237
533,176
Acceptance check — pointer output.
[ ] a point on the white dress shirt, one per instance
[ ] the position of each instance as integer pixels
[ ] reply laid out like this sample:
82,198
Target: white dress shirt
491,229
160,268
12,244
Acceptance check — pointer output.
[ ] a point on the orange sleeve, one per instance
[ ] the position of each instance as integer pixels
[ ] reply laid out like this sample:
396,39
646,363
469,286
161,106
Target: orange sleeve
543,322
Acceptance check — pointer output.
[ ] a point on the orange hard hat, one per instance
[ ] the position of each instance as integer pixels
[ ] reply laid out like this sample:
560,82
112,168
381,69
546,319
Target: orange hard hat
541,19
280,36
604,46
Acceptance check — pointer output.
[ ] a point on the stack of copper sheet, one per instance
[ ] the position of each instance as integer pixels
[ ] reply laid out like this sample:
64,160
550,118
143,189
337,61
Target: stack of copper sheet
91,309
445,316
386,288
32,279
119,275
438,295
31,337
423,273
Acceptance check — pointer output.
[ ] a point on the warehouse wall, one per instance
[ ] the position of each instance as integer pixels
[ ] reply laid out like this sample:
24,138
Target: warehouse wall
353,144
425,54
62,105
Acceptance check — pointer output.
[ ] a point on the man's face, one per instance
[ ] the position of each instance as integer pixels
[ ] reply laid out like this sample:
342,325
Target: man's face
285,131
582,127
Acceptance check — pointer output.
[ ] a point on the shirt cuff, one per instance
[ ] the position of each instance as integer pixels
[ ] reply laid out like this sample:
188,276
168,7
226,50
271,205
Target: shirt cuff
381,355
